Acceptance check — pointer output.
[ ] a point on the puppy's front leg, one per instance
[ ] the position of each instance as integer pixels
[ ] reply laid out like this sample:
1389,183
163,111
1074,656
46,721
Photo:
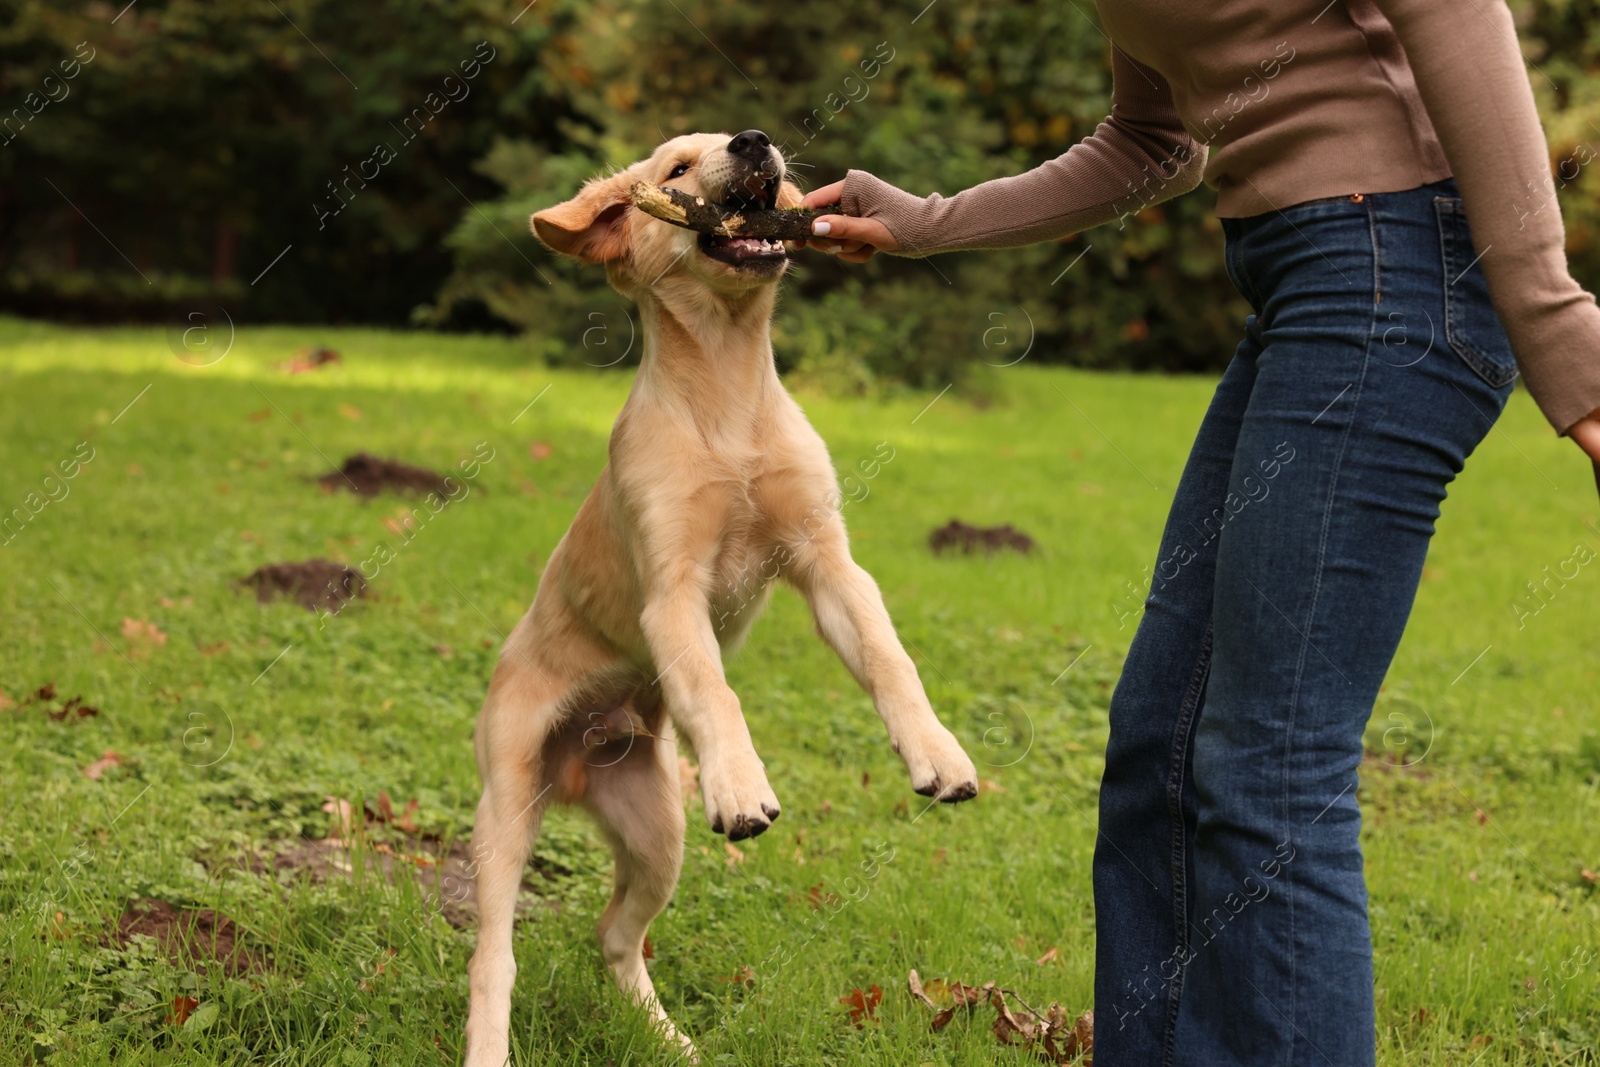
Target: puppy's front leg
677,626
852,618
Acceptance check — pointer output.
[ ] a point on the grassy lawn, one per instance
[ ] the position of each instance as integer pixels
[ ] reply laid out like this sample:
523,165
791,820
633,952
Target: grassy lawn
232,723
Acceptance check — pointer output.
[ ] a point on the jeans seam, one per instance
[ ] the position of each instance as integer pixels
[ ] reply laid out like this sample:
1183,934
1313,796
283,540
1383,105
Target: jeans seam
1445,210
1377,258
1311,614
1175,779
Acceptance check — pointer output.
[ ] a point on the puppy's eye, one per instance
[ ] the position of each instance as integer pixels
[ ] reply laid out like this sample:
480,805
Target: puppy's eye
679,171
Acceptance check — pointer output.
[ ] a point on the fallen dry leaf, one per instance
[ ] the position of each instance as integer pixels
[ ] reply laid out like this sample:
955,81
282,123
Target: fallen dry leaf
100,766
6,701
1588,875
745,977
914,982
1483,819
309,358
350,411
340,809
141,632
403,821
414,860
73,704
1056,1039
1049,957
182,1006
261,415
986,785
862,1005
539,450
649,951
735,857
820,898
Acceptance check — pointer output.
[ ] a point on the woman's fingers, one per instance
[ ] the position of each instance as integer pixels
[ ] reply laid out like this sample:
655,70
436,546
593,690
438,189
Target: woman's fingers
1586,434
841,229
851,239
828,194
849,251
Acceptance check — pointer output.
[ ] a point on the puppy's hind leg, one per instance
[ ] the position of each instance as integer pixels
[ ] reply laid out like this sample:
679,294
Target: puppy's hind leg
637,802
520,710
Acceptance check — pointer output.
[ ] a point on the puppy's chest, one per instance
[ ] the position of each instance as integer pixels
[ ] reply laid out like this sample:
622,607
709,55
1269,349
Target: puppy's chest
748,557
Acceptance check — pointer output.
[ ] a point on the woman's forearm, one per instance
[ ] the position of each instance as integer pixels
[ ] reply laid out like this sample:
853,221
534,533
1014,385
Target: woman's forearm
1471,78
1138,156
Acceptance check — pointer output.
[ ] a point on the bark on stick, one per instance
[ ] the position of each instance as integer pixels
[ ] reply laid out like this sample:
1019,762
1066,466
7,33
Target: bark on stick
698,213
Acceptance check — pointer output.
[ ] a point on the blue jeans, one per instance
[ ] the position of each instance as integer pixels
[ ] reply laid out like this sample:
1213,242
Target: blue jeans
1231,908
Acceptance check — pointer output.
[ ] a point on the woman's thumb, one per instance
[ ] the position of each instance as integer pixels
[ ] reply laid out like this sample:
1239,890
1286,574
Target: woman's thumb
837,227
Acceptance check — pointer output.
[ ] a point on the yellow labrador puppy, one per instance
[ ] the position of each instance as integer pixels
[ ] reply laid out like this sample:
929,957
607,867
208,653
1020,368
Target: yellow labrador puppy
716,486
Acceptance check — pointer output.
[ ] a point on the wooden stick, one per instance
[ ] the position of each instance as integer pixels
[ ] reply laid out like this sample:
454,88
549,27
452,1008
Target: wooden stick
696,213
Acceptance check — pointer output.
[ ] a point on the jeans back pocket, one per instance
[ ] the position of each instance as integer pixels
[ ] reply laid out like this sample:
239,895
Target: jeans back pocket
1471,325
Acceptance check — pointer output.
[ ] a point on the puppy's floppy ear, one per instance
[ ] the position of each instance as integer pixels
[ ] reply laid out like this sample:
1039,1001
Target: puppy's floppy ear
592,226
789,195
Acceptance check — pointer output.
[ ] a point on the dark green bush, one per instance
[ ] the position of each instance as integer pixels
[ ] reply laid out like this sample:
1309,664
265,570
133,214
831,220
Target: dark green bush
200,137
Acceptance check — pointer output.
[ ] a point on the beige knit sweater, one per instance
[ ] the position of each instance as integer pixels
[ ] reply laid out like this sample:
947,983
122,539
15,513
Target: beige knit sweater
1276,102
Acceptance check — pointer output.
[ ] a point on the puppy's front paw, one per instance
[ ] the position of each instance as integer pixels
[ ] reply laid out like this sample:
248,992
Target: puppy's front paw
940,767
739,802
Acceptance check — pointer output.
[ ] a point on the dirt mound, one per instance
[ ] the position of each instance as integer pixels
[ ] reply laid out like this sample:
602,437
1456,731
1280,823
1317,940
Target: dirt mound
367,475
310,358
444,877
957,534
201,937
314,584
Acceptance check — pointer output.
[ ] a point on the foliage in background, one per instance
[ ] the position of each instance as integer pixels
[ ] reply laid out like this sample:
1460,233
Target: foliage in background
199,140
202,136
961,94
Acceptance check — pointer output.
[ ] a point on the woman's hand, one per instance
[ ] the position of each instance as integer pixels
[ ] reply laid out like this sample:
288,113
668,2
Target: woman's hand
847,237
1587,435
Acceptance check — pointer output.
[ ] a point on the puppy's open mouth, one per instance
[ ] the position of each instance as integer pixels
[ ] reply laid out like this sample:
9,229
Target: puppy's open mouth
741,251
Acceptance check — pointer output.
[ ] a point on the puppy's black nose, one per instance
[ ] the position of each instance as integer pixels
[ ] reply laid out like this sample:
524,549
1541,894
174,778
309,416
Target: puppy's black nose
751,144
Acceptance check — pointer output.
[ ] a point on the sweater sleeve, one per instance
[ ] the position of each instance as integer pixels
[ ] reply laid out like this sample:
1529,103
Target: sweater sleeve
1471,78
1140,155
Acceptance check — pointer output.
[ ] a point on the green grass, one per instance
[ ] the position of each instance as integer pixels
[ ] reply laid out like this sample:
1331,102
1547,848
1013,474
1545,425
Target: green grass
1485,926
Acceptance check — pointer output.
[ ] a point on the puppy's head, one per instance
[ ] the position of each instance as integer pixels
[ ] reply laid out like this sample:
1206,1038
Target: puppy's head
599,225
